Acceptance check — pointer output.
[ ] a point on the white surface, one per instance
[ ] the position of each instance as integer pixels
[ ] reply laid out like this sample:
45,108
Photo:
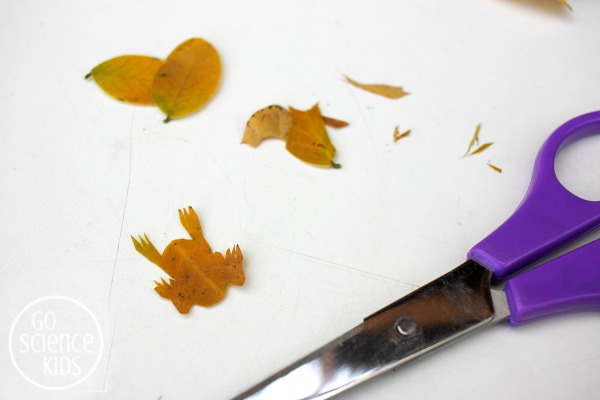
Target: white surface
80,172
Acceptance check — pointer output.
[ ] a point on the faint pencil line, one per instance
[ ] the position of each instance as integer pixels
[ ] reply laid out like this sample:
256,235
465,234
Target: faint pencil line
371,140
124,208
71,248
344,267
112,279
267,222
297,297
112,341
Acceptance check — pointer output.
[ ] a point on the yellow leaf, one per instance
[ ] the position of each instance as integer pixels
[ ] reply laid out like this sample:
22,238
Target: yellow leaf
188,78
127,78
196,274
270,122
398,135
308,139
391,92
335,123
564,2
474,139
481,148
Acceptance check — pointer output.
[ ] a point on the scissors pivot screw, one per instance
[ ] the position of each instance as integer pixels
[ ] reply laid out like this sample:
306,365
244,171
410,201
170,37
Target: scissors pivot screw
406,326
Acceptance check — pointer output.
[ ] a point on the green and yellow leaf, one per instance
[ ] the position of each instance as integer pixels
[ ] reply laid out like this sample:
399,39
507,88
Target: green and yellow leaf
127,78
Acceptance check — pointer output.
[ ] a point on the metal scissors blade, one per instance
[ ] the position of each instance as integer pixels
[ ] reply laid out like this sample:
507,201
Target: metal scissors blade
417,323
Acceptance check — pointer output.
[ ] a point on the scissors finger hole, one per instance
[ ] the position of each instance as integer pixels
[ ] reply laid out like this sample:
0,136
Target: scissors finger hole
577,167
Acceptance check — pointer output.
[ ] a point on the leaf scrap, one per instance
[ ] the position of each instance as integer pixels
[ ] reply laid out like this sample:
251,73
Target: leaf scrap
391,92
398,135
127,78
481,148
564,2
187,79
492,166
308,139
335,123
196,274
474,140
270,122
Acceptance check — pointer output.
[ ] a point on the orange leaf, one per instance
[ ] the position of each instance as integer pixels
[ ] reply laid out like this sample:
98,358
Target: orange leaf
127,78
564,2
335,123
492,166
308,139
196,274
188,78
391,92
398,135
270,122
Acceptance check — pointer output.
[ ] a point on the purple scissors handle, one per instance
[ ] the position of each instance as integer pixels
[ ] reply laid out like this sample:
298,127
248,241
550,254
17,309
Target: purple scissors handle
548,218
570,283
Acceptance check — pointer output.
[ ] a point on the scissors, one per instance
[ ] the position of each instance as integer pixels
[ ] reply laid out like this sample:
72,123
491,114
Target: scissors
468,298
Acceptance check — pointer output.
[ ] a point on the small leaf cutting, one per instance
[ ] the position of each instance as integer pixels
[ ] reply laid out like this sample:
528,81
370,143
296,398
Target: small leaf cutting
398,135
475,141
391,92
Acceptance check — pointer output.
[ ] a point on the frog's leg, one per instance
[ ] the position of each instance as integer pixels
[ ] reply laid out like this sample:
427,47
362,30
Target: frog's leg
147,249
191,223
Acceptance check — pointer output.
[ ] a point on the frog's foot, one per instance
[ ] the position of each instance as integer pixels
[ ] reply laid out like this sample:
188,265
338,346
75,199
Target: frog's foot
234,266
164,289
147,249
191,223
168,291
